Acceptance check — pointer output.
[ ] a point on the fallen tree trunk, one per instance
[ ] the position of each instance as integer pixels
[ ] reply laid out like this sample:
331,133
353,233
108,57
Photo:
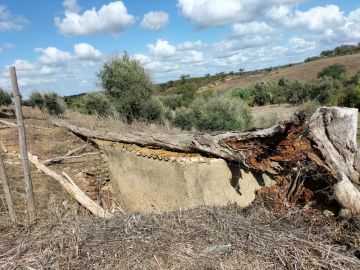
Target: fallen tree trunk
75,192
323,157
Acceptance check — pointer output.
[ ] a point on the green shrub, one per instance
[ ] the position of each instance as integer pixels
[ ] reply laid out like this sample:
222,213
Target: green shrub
335,71
96,103
36,100
187,92
246,94
184,119
54,104
220,114
5,98
262,94
173,101
153,111
128,85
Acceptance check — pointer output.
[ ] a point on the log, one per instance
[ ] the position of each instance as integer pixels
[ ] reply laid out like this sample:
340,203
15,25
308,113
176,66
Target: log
328,154
9,124
74,191
334,132
7,191
66,156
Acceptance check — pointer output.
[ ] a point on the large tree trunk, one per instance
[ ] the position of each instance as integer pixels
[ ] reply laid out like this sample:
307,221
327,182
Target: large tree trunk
304,158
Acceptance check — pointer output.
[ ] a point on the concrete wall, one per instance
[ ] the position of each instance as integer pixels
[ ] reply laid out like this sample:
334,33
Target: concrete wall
154,183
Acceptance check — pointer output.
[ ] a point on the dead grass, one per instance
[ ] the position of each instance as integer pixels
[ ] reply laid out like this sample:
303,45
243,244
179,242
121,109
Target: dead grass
304,72
203,238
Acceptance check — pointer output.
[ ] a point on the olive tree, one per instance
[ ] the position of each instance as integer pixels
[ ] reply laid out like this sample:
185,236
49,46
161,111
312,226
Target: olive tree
5,98
128,86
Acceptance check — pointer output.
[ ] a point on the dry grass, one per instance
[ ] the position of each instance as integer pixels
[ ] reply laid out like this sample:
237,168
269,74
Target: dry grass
303,72
202,238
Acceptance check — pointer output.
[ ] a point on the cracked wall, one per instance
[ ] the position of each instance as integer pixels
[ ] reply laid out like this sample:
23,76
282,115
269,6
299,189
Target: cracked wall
154,180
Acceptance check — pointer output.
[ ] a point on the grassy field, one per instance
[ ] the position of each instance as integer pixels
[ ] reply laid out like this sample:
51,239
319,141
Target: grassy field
303,72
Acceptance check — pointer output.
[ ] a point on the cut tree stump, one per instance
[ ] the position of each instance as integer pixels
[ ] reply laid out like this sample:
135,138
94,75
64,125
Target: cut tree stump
326,148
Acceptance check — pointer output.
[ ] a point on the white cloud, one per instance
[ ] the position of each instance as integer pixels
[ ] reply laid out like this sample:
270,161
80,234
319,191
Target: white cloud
85,51
191,45
162,48
112,18
251,28
317,18
354,15
52,55
9,22
71,6
207,13
301,45
155,21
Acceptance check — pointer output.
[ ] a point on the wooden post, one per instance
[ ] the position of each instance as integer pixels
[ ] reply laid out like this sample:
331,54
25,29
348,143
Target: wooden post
6,188
23,148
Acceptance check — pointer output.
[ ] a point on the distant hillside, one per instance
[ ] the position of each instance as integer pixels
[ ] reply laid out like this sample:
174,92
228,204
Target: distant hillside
303,72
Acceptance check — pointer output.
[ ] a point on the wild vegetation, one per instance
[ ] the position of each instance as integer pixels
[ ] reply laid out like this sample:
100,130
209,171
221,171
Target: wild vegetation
129,94
341,50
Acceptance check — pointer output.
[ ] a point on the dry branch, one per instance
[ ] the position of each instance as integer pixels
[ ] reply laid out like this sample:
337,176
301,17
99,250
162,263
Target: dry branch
68,155
9,124
75,192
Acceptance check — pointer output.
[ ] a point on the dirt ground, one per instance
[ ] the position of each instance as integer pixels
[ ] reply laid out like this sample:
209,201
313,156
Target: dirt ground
47,141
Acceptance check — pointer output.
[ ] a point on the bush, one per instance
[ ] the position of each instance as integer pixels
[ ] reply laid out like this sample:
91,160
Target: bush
153,111
54,104
128,85
96,103
246,94
187,92
5,98
172,102
335,71
184,119
220,114
36,100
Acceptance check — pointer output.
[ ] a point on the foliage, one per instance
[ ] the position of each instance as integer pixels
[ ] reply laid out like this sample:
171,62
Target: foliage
335,71
36,100
219,114
184,119
5,98
128,85
187,92
54,104
153,111
96,103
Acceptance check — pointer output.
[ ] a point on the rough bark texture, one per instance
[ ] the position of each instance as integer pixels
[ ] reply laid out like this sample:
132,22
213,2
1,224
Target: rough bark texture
333,131
305,159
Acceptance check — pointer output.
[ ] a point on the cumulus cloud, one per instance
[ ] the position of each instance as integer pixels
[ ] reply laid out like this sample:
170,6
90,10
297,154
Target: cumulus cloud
207,13
9,22
191,45
58,69
155,21
71,6
315,19
85,51
52,55
301,45
251,28
162,48
112,18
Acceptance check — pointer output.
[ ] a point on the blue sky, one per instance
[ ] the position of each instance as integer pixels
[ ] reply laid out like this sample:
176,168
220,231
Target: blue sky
60,45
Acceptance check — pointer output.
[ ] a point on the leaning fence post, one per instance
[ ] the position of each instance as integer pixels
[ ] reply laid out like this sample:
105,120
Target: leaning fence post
7,192
23,148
